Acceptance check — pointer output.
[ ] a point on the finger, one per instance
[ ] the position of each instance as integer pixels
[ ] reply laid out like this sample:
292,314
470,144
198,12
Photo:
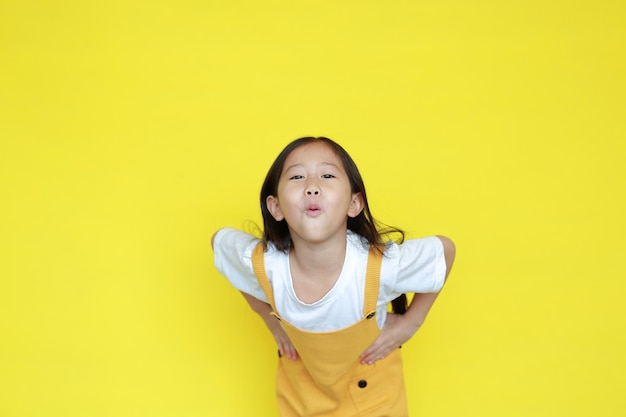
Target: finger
371,359
372,356
282,347
291,351
379,353
287,349
370,351
376,348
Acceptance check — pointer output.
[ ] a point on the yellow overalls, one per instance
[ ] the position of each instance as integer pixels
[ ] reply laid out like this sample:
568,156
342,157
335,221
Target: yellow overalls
328,379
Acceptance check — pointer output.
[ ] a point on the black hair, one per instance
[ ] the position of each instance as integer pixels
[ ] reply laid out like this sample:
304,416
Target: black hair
277,232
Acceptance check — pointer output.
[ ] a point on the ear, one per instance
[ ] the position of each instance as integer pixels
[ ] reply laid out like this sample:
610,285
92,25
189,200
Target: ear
274,208
356,205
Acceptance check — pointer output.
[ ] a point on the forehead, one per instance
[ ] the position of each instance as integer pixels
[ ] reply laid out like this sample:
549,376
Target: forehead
318,153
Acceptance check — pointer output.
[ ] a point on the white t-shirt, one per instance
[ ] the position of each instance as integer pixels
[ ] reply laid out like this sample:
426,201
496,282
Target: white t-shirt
417,265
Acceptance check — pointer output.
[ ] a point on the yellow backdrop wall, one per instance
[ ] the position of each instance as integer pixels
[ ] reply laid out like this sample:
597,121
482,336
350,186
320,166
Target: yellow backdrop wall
131,130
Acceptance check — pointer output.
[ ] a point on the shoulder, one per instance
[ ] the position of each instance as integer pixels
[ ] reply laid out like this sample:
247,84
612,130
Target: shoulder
236,246
416,265
357,242
412,249
357,251
232,246
232,251
230,239
229,236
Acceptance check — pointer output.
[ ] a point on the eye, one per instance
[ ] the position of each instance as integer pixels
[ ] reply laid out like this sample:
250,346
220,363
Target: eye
328,176
296,177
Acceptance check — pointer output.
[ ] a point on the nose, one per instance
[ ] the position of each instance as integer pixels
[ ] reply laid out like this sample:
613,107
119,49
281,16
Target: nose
312,189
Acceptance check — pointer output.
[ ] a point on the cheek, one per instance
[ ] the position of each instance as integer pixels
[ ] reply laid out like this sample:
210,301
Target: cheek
287,197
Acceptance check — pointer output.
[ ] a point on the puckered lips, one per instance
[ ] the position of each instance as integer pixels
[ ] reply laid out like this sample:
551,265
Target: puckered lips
313,210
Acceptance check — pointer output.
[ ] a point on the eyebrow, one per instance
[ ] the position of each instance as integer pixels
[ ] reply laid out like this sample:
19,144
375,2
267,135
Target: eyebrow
320,164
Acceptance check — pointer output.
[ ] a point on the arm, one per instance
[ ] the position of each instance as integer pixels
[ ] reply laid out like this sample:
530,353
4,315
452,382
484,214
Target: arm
263,310
399,329
213,238
282,340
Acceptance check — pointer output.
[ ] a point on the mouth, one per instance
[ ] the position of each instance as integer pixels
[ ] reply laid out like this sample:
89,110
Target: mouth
313,210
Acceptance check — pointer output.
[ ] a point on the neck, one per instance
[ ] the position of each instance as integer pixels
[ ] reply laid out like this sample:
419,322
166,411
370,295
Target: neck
319,259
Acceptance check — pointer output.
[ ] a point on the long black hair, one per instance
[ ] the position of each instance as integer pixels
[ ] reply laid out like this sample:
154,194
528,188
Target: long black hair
277,232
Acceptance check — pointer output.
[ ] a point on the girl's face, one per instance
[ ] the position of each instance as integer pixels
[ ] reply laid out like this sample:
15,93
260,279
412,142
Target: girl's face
314,195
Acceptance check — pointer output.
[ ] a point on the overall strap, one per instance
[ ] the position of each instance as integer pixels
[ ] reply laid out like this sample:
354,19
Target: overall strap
258,265
372,281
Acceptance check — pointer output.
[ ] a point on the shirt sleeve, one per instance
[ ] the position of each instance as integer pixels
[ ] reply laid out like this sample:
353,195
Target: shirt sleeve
233,259
417,265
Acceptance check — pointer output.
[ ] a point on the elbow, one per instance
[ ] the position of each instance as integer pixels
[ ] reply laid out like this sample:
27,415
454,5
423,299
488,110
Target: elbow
213,237
449,252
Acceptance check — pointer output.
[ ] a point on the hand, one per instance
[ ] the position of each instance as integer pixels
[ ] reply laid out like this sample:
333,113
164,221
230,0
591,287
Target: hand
396,331
285,347
264,311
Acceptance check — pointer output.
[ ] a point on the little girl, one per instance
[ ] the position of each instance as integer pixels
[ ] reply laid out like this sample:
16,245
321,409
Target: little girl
321,278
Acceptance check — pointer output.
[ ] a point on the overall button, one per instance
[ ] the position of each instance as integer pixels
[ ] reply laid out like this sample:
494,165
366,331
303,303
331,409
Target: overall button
362,383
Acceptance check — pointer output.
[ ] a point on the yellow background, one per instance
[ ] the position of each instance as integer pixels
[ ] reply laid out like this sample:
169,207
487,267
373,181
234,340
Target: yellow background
130,131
